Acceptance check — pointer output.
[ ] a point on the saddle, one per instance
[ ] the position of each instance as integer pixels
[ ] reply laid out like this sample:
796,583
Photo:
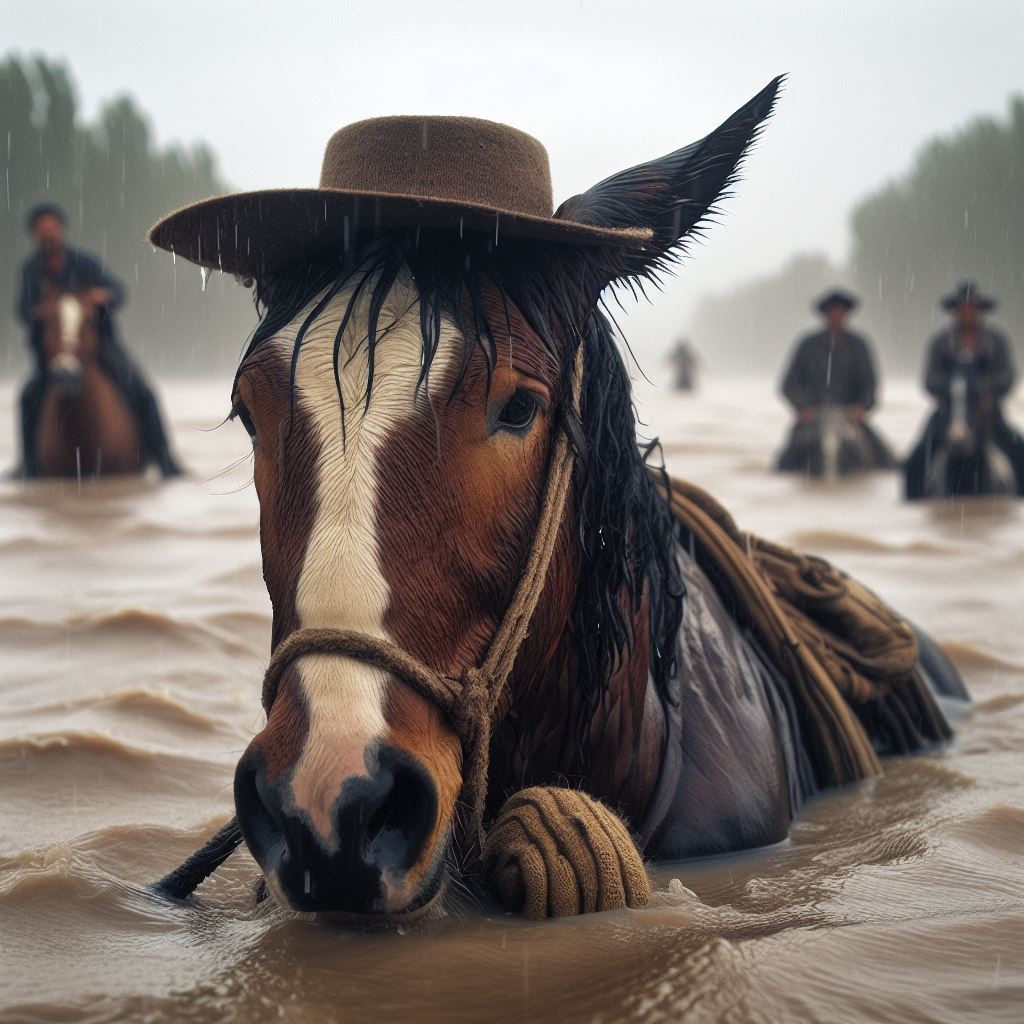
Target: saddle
852,660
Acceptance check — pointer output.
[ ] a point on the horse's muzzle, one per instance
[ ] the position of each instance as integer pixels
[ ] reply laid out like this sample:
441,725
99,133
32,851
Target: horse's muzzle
380,826
65,374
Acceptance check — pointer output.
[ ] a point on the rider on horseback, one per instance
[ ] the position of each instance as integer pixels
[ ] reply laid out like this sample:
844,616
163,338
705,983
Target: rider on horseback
72,270
972,360
831,369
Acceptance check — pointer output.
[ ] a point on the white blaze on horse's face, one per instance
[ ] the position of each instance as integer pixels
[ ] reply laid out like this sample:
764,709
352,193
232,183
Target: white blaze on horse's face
341,584
70,317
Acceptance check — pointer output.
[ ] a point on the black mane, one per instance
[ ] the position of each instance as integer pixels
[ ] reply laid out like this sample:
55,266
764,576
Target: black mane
627,532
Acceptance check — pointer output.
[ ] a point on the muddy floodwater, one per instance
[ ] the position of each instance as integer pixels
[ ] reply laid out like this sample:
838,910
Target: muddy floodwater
134,629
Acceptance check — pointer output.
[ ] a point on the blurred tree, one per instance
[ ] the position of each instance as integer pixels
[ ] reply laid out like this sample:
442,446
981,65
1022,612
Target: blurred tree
958,214
113,182
750,328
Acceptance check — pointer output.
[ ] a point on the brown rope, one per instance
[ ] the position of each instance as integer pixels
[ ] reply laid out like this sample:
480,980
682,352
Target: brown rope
843,751
555,852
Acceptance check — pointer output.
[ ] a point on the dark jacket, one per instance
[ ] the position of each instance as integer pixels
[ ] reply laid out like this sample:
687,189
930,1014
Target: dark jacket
81,270
831,370
988,368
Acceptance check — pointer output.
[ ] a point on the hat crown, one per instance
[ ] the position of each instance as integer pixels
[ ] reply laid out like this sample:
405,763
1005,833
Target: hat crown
455,159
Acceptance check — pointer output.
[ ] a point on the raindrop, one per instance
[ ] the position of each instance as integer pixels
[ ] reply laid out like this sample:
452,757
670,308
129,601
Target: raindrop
460,227
174,256
497,227
78,466
204,274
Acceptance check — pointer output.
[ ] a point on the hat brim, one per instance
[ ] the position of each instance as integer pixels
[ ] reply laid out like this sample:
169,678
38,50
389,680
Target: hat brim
847,304
950,302
249,233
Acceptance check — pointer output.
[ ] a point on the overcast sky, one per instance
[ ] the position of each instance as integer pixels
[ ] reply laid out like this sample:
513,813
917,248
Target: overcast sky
602,85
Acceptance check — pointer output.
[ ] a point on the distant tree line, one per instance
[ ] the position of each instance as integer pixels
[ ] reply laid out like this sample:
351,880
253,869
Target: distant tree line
113,182
958,213
750,327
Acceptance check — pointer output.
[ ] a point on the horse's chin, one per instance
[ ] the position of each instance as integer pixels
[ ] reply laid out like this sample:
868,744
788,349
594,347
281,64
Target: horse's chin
426,900
414,912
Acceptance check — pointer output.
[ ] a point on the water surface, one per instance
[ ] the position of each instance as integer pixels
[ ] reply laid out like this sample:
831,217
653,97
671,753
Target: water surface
134,629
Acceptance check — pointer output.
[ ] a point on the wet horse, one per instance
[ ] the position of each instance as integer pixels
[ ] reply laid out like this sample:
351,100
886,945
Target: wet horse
84,426
407,394
832,445
967,461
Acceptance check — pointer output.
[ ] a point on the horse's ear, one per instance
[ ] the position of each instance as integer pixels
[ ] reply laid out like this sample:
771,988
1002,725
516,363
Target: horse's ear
672,195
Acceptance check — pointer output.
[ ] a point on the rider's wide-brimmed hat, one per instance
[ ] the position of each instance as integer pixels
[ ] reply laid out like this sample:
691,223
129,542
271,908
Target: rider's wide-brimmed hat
460,173
837,297
967,291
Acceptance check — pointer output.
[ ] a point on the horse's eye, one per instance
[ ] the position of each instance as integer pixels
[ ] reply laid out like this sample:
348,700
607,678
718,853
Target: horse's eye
517,414
239,412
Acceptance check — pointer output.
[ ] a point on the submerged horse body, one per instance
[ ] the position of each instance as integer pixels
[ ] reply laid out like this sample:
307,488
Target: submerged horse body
406,391
961,456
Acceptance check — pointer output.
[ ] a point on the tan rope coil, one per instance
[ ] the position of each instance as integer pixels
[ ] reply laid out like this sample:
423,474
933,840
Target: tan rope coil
469,703
555,852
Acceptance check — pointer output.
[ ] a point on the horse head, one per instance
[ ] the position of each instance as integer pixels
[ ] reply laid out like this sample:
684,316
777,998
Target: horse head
70,338
404,399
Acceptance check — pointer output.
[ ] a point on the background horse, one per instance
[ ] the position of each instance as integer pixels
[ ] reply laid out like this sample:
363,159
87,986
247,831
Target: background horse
833,444
967,461
84,426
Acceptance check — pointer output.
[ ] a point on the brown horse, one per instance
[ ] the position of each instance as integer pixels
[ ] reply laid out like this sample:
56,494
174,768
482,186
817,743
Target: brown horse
405,395
84,426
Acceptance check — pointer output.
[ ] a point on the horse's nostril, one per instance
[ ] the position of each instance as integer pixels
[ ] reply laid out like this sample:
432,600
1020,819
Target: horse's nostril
258,821
405,814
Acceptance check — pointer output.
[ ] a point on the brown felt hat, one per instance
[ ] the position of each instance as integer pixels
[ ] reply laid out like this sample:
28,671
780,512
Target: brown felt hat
461,173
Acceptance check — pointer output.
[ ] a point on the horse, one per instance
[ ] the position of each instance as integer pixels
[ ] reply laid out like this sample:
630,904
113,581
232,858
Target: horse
832,445
967,461
410,394
84,426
